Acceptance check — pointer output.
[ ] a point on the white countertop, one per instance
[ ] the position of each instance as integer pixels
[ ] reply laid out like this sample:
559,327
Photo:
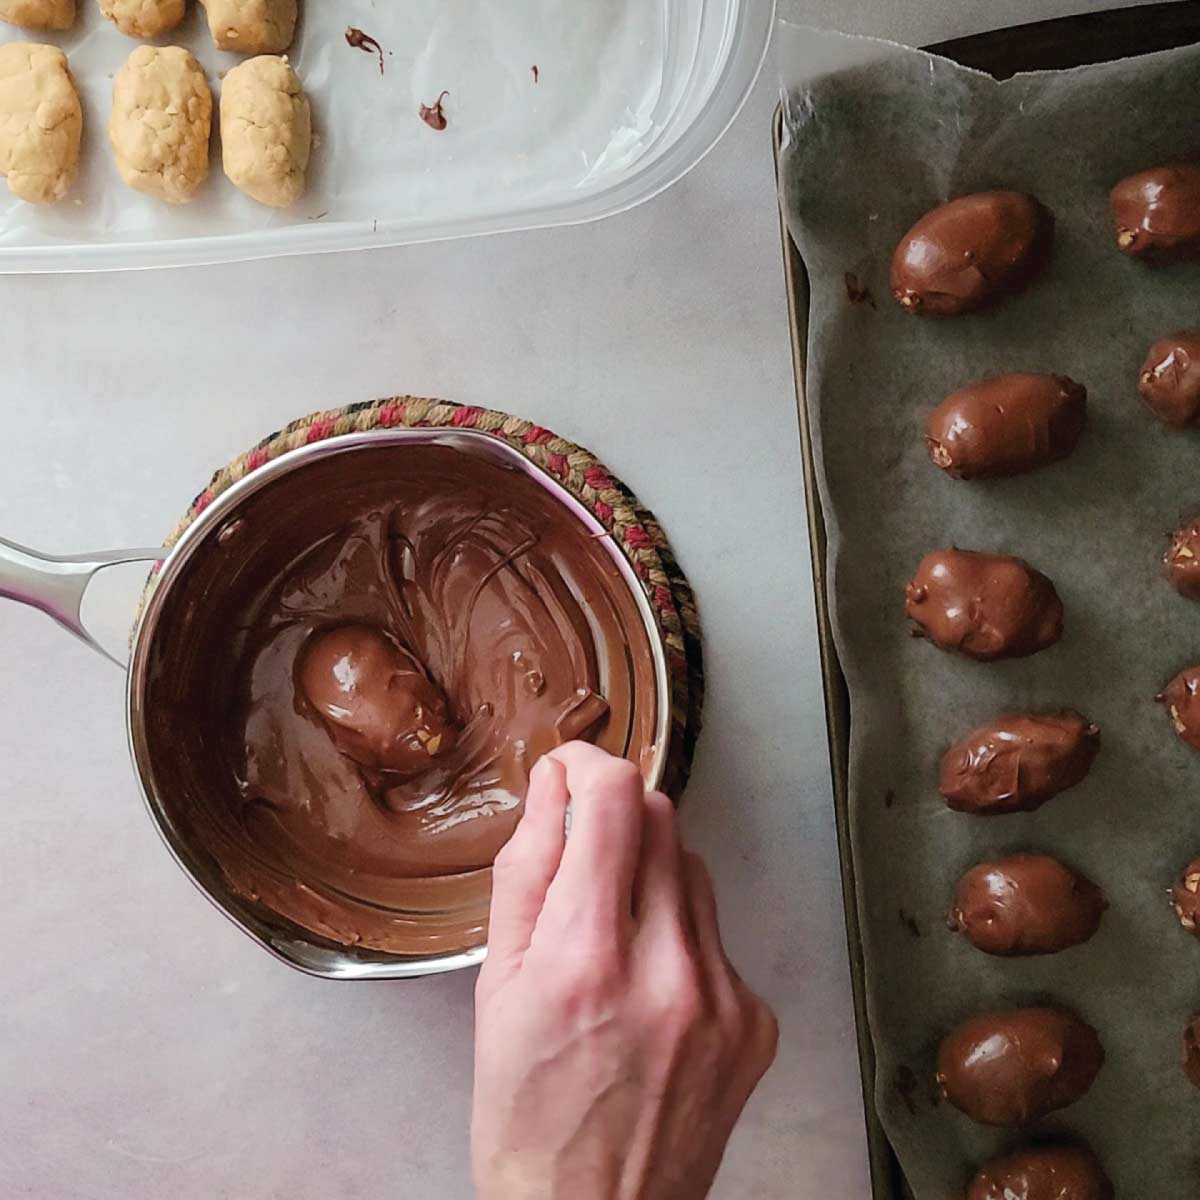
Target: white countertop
148,1049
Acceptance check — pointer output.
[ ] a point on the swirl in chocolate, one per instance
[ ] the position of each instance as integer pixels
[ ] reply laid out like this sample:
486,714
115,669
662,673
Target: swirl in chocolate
1169,380
987,606
1185,897
1017,762
970,251
1181,698
1052,1172
1182,560
1006,425
1026,904
1156,213
1010,1068
384,649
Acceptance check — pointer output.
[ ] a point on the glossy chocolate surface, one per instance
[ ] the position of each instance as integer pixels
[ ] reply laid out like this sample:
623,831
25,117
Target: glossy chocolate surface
1182,560
1017,762
1012,1067
1156,213
1181,699
1185,897
1052,1172
987,606
1169,380
1026,904
1006,425
970,251
367,663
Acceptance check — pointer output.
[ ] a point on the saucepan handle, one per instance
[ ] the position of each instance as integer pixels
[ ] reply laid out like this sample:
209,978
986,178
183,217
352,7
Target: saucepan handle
57,585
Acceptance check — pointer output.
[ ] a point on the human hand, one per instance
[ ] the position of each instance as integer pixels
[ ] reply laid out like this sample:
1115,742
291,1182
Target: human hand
615,1046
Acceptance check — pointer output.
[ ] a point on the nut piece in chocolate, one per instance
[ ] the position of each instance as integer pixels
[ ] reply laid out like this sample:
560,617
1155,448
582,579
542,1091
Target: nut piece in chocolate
1156,213
1182,700
1006,425
1169,380
1017,762
970,251
987,606
379,706
1012,1067
1182,560
1050,1172
1185,897
1026,904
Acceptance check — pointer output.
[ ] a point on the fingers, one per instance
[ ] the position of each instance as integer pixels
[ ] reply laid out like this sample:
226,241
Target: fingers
702,913
525,867
595,879
658,900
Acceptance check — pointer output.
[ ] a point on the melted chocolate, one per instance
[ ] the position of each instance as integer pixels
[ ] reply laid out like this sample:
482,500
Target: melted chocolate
1185,896
434,115
1182,560
1026,904
970,251
369,670
1191,1049
987,606
1006,425
1016,763
1054,1172
1156,213
1170,379
357,40
1010,1068
1182,700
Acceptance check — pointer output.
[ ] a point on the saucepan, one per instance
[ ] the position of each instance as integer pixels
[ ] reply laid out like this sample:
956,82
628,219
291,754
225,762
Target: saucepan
57,586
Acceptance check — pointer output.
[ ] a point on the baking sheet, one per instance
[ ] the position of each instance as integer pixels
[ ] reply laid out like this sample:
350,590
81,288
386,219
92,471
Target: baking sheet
511,143
869,149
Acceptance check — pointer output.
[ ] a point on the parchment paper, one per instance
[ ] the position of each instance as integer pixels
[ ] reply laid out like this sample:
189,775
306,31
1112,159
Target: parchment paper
868,149
511,143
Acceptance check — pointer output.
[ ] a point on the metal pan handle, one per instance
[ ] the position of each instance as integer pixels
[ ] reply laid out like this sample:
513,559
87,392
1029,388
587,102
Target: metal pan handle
56,585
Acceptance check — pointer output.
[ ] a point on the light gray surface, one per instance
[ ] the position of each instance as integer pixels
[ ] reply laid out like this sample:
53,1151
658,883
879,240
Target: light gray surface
146,1048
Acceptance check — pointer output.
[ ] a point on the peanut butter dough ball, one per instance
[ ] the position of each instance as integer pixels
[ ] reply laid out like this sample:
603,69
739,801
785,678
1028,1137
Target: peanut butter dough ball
44,15
252,26
266,131
41,122
160,123
144,18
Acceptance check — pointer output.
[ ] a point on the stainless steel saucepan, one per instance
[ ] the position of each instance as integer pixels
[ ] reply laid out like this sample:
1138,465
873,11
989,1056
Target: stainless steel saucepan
57,586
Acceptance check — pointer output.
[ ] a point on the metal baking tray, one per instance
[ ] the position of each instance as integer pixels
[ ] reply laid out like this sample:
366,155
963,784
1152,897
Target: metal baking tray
1055,44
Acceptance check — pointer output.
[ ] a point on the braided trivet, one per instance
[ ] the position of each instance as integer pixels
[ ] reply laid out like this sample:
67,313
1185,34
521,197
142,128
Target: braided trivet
633,527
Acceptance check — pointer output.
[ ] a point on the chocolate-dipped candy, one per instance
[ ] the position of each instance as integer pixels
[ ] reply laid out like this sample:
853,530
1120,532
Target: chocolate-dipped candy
970,251
1182,560
1012,1067
1017,762
1026,904
1156,213
380,707
1182,700
1006,425
1185,896
986,605
1191,1049
1169,380
1051,1172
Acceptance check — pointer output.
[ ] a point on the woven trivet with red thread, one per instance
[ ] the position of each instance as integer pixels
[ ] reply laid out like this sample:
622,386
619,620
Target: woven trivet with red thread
632,526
